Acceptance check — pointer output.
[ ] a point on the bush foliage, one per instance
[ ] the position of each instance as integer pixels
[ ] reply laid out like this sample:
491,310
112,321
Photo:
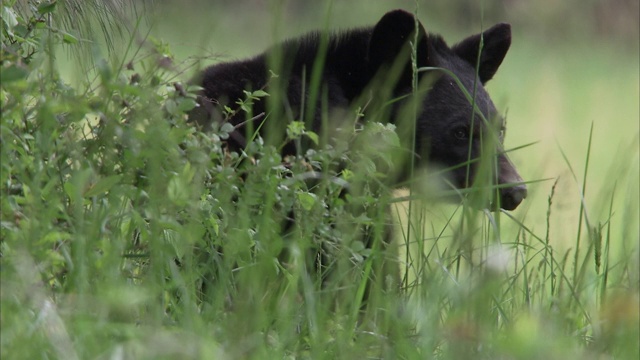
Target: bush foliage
128,233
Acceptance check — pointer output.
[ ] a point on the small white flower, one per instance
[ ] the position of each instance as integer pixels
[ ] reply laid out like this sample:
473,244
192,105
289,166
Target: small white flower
498,257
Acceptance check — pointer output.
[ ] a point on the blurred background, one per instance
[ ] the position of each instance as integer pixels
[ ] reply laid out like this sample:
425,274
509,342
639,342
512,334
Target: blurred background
596,21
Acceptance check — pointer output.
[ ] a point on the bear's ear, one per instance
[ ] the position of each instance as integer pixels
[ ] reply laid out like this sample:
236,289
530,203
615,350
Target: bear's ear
390,40
496,42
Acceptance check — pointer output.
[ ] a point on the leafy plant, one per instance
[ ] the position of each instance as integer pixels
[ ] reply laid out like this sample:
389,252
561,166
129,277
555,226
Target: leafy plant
129,233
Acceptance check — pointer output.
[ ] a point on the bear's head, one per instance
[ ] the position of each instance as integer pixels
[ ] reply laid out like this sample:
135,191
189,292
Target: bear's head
458,127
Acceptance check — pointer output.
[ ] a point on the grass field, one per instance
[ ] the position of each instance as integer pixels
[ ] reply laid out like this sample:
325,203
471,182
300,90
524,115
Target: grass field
126,234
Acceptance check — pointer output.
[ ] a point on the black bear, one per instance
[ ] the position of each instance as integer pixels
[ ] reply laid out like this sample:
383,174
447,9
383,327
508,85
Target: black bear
375,65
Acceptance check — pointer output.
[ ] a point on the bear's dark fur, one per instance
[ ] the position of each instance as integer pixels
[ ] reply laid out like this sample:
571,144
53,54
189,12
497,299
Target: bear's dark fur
374,64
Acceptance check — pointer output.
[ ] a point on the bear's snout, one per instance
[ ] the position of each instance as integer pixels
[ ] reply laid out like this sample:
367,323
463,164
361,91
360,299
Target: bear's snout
514,191
511,197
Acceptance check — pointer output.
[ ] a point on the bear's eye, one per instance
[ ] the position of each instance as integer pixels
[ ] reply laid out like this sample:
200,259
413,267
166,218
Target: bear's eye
461,133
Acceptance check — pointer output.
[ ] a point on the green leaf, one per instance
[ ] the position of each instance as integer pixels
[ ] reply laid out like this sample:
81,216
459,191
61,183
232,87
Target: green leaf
357,246
227,128
9,18
171,107
71,190
68,38
246,108
306,200
295,129
259,93
186,104
188,172
177,191
390,136
103,185
313,136
47,7
347,174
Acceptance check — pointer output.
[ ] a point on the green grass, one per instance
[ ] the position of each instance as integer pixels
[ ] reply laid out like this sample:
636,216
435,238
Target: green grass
128,234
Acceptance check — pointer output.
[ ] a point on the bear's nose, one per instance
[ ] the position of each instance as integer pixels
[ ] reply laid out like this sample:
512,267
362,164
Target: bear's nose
511,197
